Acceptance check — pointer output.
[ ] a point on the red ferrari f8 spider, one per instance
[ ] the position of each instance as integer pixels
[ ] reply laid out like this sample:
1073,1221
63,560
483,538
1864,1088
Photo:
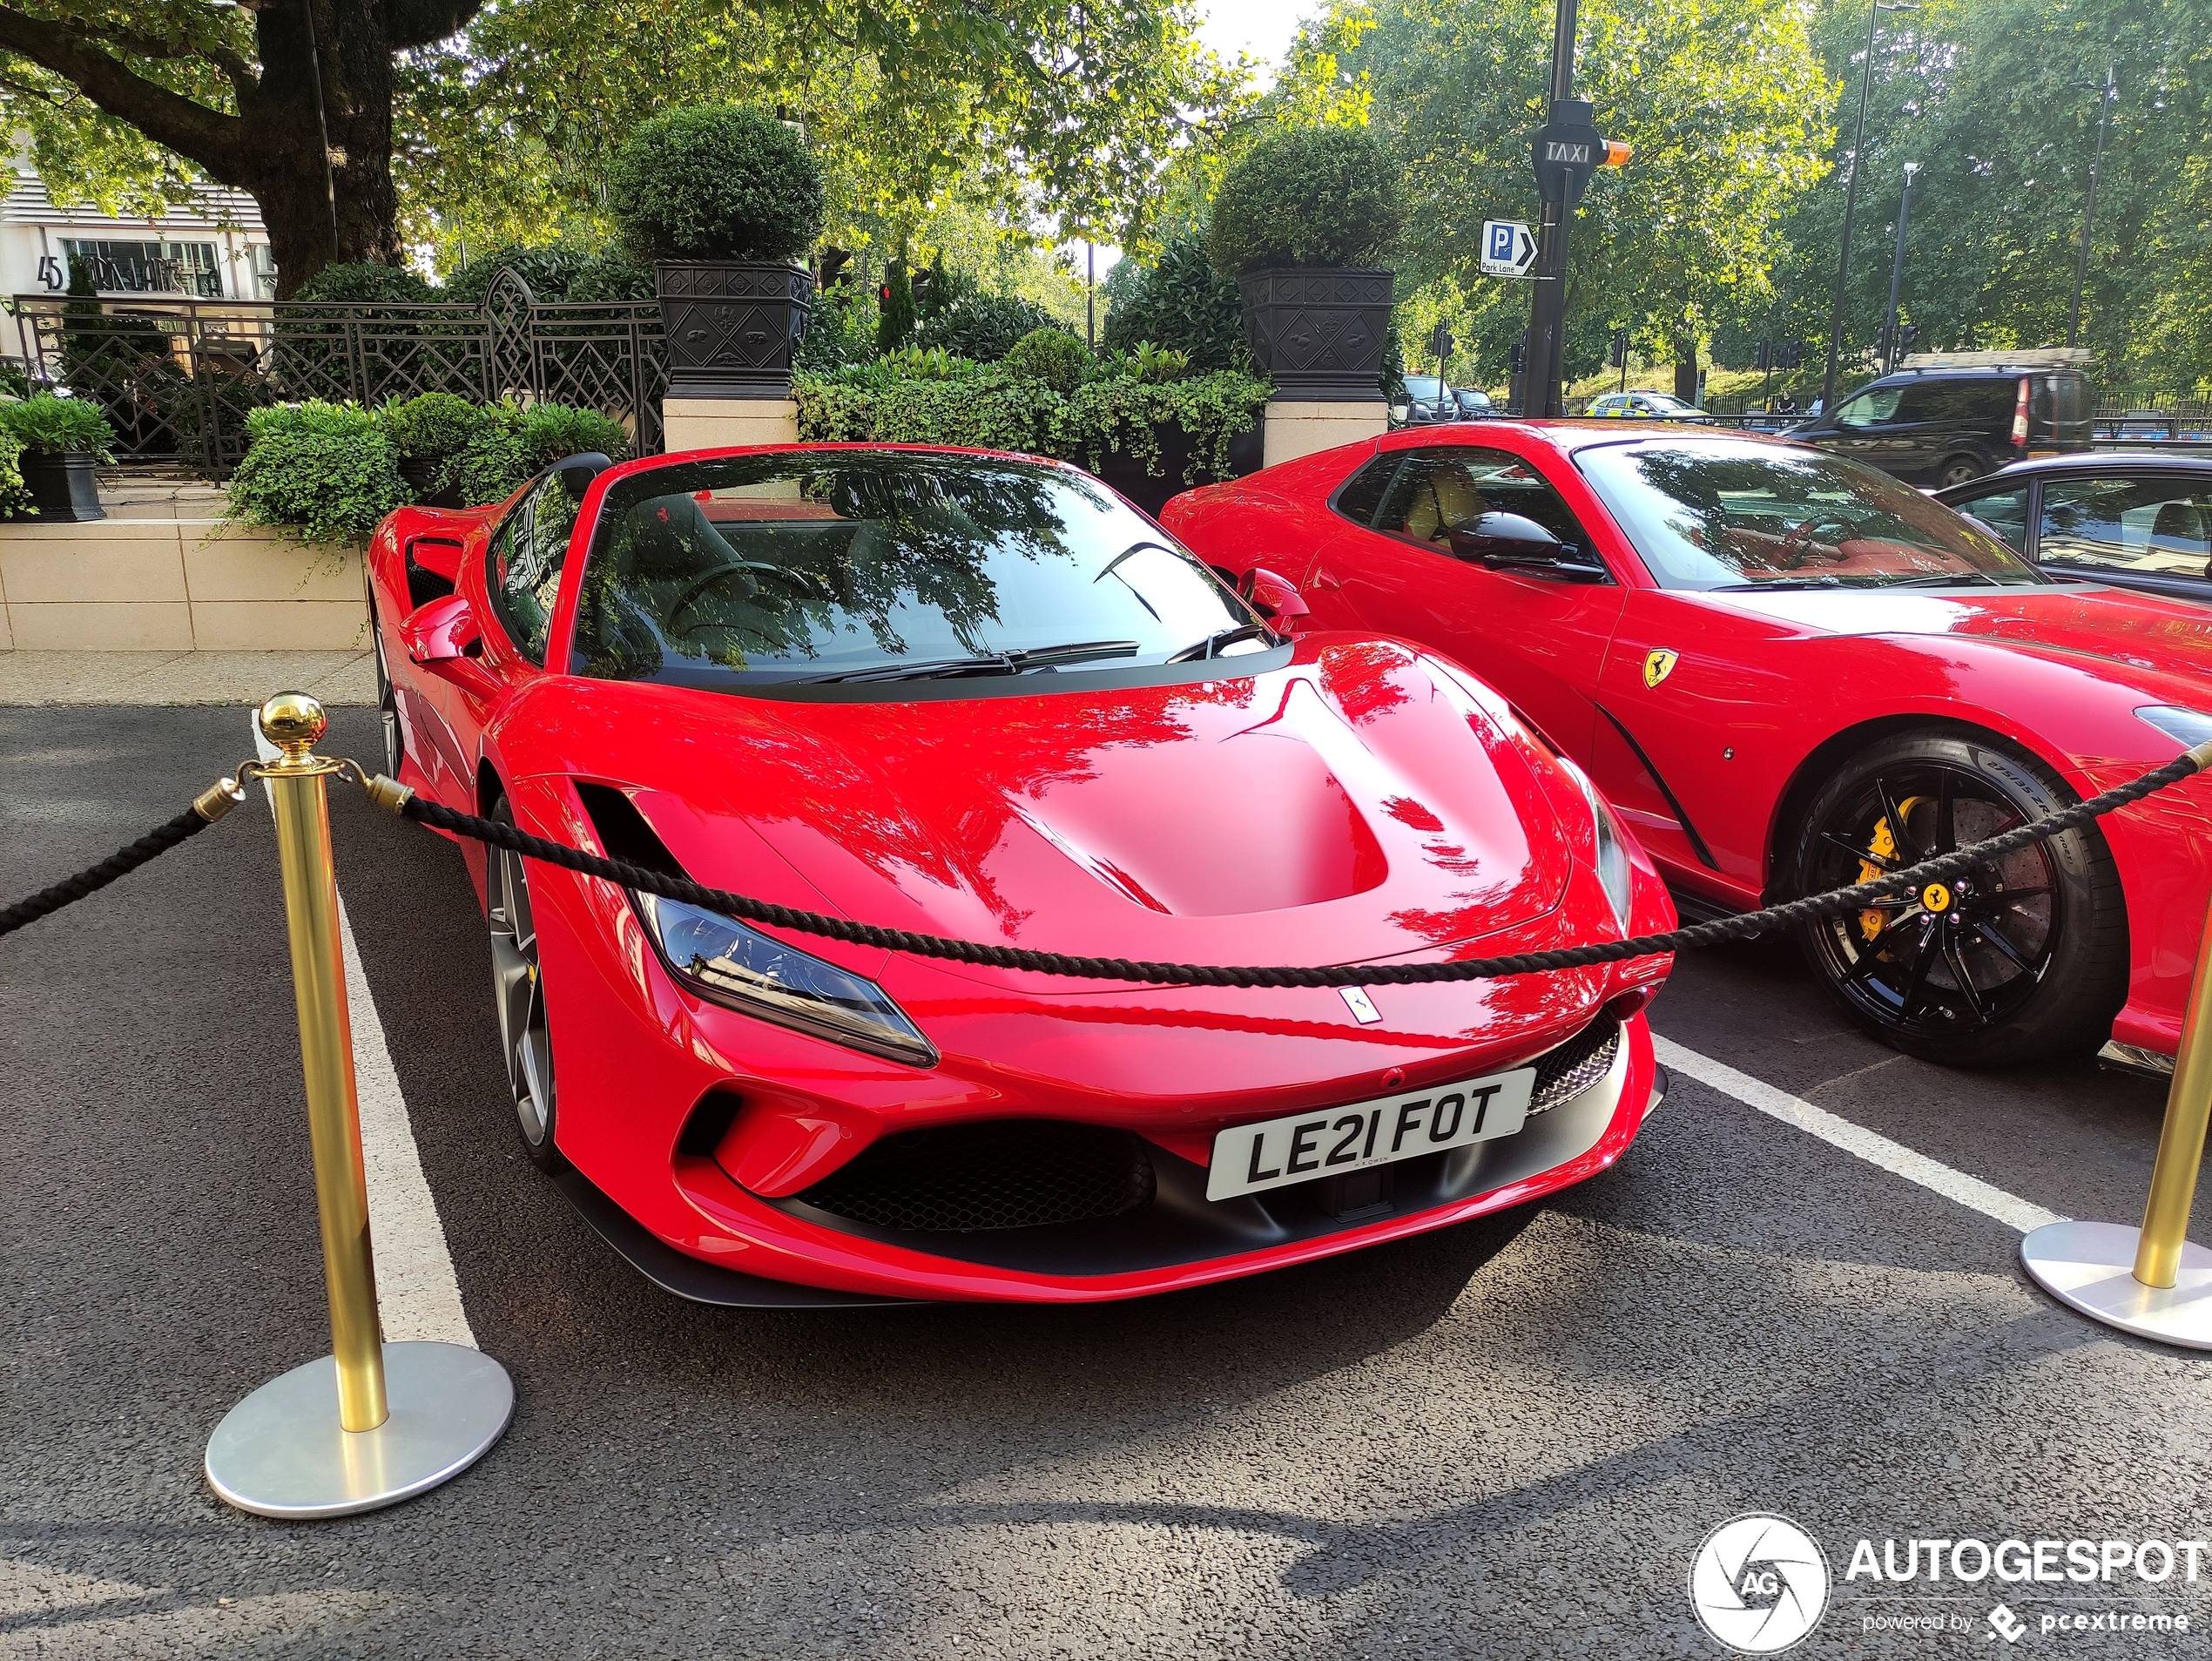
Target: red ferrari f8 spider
981,696
1792,674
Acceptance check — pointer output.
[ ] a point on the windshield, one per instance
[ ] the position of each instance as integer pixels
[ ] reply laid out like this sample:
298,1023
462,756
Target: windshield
1741,514
879,564
1665,401
1423,386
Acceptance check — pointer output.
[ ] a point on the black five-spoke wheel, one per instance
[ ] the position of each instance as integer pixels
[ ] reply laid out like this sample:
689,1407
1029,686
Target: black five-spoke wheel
2022,957
518,986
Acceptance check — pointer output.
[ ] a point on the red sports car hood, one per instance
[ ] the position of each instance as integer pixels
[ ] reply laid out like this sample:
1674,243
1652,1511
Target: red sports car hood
1357,804
2136,631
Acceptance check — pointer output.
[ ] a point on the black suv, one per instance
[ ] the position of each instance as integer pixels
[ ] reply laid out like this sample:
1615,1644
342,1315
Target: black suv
1944,426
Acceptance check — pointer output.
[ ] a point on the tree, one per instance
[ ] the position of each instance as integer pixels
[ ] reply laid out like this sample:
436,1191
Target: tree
232,92
1726,106
502,119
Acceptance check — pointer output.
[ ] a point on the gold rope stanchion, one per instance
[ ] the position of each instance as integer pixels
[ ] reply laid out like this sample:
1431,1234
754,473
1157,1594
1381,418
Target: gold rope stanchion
371,1424
2150,1281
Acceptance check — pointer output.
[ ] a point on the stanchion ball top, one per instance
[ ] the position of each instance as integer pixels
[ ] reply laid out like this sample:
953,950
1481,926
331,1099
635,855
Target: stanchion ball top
294,722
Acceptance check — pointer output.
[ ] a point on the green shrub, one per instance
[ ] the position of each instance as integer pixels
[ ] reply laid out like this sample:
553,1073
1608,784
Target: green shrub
363,284
13,383
432,427
712,181
840,330
1154,365
1182,303
327,470
549,271
609,276
15,497
983,326
1052,356
515,443
894,323
55,426
1306,196
999,407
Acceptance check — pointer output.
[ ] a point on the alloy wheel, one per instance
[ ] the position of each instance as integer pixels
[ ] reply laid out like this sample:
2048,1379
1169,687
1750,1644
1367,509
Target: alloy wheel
519,989
1950,958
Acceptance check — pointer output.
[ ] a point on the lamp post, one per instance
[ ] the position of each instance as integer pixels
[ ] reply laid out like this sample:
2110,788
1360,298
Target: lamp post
1851,198
1897,267
2107,94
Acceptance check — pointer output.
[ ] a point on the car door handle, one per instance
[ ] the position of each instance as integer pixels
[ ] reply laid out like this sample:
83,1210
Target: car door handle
1323,577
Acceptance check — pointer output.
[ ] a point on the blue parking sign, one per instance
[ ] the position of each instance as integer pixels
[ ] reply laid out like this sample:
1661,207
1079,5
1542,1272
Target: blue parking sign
1502,240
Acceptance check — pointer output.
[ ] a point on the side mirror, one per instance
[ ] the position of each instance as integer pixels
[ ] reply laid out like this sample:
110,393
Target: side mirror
444,637
1511,542
1272,596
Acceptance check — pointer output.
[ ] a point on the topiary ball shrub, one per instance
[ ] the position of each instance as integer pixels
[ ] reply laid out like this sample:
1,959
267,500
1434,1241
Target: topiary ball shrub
1306,197
712,181
432,427
1052,356
326,469
983,326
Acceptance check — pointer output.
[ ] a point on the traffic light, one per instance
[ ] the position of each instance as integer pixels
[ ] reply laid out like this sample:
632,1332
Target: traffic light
1793,354
1763,357
1906,334
1442,344
1620,357
1520,356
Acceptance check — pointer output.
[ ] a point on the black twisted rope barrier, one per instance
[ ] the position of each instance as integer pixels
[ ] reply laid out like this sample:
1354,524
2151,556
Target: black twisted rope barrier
207,808
1790,913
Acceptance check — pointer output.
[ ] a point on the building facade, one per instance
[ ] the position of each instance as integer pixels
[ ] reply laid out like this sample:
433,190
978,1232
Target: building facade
214,249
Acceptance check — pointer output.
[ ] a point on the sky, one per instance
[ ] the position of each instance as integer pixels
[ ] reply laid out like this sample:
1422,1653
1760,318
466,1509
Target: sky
1263,28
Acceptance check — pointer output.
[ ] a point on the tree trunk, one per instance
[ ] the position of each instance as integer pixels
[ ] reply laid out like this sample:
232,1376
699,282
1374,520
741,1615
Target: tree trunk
283,166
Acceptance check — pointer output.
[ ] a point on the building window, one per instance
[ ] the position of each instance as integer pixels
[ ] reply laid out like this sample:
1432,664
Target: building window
147,268
260,264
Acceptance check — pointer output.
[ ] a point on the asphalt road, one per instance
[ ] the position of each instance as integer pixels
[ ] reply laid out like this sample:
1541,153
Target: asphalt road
1502,1441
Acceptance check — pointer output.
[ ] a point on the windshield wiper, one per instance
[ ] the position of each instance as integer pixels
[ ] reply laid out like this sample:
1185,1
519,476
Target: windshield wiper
1013,661
1779,582
1945,579
1212,646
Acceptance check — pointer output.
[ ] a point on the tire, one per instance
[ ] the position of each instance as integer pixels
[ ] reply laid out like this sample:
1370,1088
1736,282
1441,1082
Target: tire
1956,469
2021,960
388,703
518,996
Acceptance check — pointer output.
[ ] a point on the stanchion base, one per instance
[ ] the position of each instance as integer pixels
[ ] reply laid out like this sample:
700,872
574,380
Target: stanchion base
281,1453
2090,1267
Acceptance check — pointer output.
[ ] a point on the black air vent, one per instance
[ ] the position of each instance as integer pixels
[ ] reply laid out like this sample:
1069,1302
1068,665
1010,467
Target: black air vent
1568,1070
623,830
1000,1173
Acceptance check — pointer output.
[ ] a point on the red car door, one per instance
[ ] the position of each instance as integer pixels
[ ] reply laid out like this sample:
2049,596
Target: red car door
1406,566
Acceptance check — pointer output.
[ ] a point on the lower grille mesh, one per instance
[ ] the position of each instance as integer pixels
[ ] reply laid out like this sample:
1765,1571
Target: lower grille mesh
1000,1173
1568,1070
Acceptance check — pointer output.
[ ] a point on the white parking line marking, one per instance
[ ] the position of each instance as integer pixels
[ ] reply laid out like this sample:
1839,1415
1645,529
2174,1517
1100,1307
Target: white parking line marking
418,1293
1870,1145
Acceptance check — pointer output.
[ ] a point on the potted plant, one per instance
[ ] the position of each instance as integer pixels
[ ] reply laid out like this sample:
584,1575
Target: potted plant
721,200
431,433
1300,220
62,439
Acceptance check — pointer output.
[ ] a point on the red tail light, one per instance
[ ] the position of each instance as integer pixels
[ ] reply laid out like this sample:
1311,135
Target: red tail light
2019,417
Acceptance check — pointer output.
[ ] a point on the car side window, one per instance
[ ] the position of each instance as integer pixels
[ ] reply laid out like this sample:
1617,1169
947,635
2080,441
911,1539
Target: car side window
2148,526
1360,493
2004,512
1872,407
523,562
1438,492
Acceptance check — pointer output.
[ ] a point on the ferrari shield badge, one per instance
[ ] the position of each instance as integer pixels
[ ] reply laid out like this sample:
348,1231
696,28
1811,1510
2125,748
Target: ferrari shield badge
1658,666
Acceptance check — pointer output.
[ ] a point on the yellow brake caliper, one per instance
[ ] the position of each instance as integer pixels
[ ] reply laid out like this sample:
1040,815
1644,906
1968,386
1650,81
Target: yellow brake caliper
1882,845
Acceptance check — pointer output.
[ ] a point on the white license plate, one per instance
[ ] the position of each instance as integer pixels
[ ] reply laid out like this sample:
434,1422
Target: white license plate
1329,1141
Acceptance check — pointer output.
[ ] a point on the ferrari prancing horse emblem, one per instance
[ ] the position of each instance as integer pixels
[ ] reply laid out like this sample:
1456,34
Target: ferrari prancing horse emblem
1659,665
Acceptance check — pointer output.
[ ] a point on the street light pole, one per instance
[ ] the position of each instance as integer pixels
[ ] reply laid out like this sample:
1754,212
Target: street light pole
1851,200
1548,306
2110,91
1897,267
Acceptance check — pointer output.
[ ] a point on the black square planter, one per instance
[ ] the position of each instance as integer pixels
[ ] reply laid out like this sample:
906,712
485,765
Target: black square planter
63,488
730,327
1318,334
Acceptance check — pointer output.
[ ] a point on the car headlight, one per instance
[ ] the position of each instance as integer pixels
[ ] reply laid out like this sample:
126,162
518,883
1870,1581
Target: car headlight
2190,727
744,969
1612,854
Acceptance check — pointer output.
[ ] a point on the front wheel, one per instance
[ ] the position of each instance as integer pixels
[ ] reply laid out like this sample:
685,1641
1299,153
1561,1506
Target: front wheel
518,989
1957,470
2020,959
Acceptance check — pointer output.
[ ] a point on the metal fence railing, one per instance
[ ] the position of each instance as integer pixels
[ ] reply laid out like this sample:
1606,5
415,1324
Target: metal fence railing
177,378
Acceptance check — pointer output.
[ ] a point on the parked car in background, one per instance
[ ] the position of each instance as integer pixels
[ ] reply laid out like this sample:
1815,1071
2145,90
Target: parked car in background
1472,404
1643,405
1428,401
2132,520
1945,422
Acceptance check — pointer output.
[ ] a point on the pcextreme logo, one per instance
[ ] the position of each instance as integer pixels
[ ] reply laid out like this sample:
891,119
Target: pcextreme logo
1759,1583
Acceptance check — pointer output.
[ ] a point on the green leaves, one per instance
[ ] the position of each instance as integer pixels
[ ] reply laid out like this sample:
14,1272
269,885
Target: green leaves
712,181
1307,196
59,426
